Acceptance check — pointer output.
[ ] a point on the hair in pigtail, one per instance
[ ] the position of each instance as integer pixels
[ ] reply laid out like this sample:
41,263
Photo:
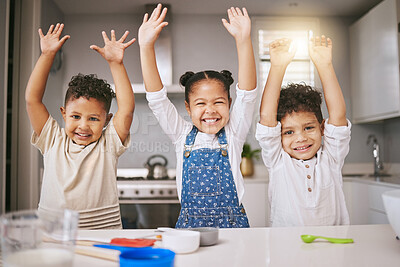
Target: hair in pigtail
228,77
190,79
186,77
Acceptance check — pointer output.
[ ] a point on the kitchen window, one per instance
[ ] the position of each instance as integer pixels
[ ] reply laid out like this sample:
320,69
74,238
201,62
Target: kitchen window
266,30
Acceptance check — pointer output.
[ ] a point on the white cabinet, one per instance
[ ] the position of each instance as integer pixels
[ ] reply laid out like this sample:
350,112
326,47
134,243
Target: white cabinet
356,196
374,64
255,201
364,200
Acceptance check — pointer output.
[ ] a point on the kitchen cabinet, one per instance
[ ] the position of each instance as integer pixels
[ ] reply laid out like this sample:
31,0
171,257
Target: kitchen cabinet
255,201
374,64
138,88
364,200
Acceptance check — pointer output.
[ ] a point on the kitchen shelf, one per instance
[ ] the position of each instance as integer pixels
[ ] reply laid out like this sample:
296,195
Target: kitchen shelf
138,88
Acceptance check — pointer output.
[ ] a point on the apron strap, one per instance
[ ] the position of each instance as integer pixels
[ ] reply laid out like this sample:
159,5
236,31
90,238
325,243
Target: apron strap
190,138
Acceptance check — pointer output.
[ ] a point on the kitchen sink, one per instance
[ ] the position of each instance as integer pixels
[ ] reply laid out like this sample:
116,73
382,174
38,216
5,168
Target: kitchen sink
354,175
384,178
380,175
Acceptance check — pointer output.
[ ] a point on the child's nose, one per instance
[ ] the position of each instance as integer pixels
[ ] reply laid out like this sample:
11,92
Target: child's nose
301,137
83,124
210,109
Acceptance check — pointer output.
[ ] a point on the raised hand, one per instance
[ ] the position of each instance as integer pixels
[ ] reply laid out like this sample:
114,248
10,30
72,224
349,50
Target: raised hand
280,52
151,27
113,50
239,25
320,50
51,42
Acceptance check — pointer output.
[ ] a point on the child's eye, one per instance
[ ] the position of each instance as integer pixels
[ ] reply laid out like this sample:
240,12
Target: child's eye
94,119
288,132
200,104
309,128
219,102
76,117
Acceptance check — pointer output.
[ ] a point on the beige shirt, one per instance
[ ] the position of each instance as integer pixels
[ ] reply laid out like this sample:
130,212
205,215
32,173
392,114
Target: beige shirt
81,178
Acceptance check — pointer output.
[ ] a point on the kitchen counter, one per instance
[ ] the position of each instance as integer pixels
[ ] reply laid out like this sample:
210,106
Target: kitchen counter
384,180
374,245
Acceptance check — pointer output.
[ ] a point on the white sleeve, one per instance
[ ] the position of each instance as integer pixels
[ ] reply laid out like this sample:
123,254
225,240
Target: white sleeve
270,142
168,117
241,116
337,141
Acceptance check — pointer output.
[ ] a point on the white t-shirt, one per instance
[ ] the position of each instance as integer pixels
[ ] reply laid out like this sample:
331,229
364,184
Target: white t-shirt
237,128
81,178
306,192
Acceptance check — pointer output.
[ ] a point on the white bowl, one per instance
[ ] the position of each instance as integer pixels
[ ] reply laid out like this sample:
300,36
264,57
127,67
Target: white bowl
181,241
208,235
391,200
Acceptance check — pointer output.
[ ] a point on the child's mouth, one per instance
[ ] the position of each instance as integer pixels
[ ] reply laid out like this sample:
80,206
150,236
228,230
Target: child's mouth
82,135
302,148
210,121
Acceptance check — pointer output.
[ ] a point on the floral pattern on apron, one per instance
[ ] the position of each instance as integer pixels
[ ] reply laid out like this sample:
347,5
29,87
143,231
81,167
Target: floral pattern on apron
209,197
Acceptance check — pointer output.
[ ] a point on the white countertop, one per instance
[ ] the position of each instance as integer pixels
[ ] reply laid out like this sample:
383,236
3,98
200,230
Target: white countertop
374,245
351,171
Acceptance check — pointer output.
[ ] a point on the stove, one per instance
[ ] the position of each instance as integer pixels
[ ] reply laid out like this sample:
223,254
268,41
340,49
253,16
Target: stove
147,203
134,187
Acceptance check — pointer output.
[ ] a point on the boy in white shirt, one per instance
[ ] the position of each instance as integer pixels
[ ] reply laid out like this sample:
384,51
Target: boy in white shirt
305,180
80,160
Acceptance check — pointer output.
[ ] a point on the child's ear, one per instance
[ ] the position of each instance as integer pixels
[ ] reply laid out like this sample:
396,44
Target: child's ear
62,109
108,118
322,127
187,108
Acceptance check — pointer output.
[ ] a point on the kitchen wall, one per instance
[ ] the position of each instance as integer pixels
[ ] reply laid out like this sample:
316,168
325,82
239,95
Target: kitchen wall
54,97
198,42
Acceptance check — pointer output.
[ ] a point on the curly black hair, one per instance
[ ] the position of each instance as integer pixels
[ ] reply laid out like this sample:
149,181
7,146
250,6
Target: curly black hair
299,97
189,79
89,86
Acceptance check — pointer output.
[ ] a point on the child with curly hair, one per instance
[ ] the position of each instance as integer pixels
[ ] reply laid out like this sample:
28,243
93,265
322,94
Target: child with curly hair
305,179
208,149
80,160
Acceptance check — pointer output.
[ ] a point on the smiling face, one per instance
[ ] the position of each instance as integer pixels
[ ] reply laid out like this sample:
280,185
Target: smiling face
208,106
84,120
301,134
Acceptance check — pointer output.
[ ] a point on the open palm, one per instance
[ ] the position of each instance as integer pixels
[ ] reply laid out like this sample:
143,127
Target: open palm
51,42
239,25
113,50
151,27
320,50
280,52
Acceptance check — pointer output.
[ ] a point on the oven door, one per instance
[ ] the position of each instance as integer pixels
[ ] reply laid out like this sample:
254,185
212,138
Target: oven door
149,216
148,204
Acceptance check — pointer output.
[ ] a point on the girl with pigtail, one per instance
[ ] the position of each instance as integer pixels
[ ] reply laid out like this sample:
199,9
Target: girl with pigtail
209,182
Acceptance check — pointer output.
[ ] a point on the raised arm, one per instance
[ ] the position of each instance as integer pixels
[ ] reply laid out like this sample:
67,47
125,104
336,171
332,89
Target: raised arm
49,44
320,50
239,26
113,53
281,56
148,34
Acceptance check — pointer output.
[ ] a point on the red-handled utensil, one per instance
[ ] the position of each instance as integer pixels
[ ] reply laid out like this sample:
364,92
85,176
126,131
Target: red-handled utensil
134,243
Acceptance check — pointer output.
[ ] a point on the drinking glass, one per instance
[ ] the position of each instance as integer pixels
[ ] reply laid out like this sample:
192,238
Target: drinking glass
32,238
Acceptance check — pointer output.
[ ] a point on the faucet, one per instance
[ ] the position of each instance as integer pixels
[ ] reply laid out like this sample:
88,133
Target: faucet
378,165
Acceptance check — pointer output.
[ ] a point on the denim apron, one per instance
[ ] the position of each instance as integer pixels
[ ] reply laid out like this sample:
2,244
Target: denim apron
209,197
